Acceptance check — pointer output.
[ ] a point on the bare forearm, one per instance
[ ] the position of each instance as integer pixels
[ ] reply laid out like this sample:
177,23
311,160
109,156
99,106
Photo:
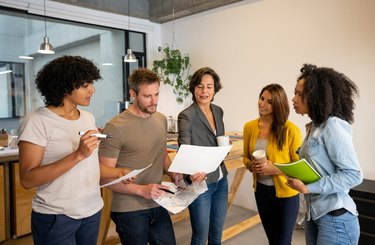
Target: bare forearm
40,175
167,162
109,173
128,189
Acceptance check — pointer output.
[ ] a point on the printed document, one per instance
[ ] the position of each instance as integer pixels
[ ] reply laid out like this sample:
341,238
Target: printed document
182,195
191,159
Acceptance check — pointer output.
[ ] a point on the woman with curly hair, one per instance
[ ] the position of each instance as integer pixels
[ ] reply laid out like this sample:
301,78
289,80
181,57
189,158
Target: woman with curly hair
62,165
273,133
327,97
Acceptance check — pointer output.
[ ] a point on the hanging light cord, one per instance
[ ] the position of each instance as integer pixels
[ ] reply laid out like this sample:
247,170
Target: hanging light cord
45,19
27,32
128,15
173,39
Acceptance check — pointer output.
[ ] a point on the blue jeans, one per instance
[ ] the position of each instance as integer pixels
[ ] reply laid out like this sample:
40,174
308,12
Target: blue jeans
59,229
207,214
152,225
278,215
333,230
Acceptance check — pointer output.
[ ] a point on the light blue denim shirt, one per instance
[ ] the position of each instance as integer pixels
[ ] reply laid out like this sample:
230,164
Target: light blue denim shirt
329,148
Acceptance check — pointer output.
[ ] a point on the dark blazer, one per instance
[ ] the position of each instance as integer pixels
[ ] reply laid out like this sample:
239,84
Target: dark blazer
194,129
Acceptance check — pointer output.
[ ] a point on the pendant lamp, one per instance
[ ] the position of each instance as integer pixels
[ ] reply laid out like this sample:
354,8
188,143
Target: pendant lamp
45,47
129,57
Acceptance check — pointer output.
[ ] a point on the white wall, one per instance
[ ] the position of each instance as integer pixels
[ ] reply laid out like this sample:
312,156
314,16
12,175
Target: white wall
253,43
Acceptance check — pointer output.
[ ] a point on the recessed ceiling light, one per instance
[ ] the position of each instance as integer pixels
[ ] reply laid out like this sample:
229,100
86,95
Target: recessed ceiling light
26,57
5,72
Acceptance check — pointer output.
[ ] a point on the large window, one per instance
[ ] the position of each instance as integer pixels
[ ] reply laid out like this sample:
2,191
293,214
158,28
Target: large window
22,33
12,90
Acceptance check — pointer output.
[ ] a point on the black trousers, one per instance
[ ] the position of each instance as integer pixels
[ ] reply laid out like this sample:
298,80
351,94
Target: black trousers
278,215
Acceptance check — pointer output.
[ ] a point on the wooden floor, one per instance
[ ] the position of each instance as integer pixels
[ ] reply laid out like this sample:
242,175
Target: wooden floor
183,231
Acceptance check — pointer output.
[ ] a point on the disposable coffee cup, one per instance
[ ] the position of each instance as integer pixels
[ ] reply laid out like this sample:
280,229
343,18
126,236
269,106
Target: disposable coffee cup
223,140
260,155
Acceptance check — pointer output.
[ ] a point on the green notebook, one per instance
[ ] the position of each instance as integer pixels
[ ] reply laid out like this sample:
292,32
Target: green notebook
300,169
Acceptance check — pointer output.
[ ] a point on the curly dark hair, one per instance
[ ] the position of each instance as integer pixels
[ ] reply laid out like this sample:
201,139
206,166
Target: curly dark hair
197,77
280,108
141,76
327,93
59,77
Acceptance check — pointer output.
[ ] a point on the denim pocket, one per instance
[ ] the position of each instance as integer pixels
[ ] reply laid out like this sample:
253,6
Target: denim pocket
312,147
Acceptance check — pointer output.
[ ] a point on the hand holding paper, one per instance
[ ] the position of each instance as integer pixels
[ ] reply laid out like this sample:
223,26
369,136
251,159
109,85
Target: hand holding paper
126,177
182,195
191,159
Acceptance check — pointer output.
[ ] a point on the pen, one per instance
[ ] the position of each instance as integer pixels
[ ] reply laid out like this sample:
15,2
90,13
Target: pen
100,136
166,190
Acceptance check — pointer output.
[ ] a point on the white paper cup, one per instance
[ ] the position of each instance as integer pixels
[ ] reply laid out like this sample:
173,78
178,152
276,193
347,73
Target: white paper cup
223,140
12,141
260,155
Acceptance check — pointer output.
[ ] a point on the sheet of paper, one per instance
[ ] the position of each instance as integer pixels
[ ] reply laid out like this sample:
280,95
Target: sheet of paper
125,177
182,196
191,159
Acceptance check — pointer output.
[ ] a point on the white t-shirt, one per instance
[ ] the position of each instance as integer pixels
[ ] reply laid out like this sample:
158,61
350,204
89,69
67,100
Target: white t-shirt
75,193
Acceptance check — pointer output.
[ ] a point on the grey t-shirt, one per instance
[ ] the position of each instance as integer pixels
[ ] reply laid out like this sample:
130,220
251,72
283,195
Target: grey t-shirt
136,143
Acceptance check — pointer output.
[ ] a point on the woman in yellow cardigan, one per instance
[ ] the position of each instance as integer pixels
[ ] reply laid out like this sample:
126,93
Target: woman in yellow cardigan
272,132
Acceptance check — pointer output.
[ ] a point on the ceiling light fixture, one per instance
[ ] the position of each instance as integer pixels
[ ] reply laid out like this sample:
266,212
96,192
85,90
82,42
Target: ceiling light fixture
5,72
45,47
129,57
25,57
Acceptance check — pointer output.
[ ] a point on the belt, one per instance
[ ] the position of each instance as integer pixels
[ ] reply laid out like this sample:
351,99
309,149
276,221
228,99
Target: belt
338,212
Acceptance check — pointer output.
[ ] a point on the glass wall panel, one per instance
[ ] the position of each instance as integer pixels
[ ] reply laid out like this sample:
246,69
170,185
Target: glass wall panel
136,42
12,90
22,33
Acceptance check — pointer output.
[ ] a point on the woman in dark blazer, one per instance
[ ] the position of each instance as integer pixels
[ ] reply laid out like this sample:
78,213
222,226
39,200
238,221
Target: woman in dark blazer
200,124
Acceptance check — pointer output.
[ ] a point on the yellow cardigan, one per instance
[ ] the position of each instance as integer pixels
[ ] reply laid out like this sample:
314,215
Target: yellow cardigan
286,155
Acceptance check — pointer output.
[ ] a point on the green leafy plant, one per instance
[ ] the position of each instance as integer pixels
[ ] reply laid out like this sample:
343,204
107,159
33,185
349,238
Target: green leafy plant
173,69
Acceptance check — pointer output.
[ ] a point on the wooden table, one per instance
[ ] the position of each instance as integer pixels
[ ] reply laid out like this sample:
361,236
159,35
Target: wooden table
6,158
2,205
21,204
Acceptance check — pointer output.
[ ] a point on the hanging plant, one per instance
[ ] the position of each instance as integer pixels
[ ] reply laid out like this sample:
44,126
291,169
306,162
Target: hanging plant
173,70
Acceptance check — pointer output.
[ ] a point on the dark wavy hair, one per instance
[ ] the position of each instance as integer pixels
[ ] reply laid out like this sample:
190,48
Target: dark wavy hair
280,108
59,77
327,93
141,76
197,77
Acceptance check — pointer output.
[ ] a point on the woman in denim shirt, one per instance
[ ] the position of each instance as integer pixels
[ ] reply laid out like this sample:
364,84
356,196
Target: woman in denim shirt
326,96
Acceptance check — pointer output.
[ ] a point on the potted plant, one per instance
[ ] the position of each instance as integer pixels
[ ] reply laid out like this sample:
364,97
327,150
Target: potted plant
173,69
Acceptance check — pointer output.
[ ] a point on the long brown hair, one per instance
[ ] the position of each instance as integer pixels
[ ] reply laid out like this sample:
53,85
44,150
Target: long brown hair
280,108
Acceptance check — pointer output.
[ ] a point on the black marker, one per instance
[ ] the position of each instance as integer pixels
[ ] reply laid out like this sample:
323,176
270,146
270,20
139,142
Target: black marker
166,190
100,136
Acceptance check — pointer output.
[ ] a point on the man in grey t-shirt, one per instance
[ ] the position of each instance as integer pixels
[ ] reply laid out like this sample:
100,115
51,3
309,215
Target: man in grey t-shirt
139,139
